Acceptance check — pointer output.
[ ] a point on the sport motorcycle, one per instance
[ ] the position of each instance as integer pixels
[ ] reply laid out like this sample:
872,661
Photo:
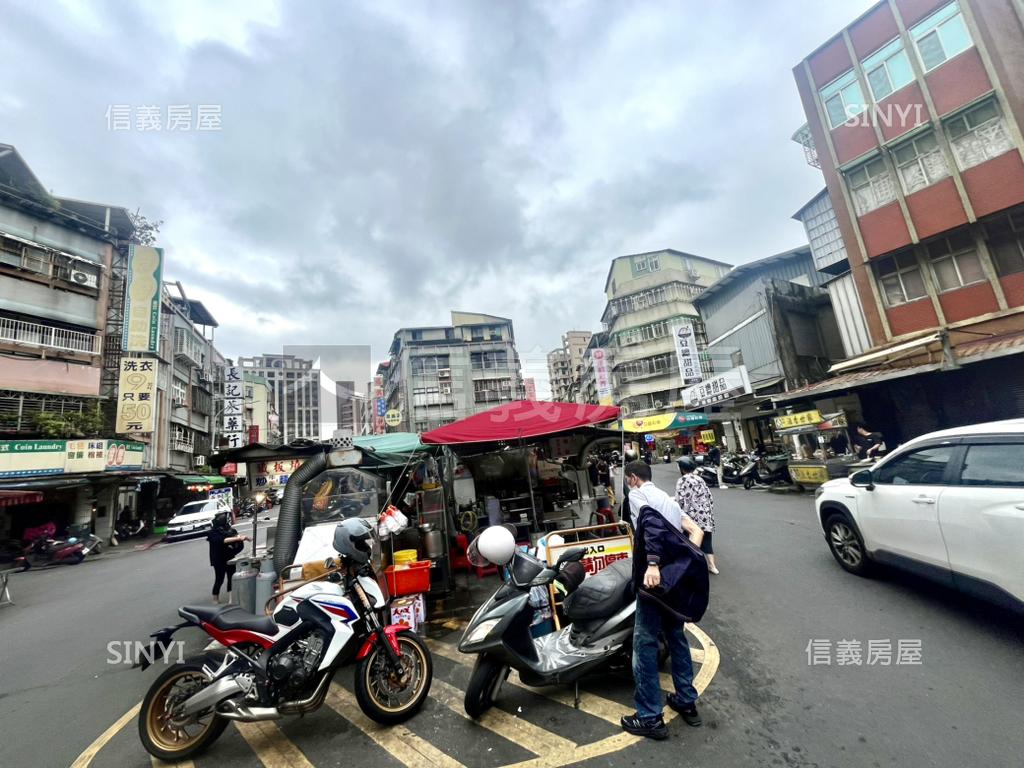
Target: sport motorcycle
278,665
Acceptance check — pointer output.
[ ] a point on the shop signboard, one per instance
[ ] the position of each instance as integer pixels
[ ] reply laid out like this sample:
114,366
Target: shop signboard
31,458
274,473
142,299
136,394
380,405
599,555
687,354
802,419
808,475
223,496
717,389
254,434
233,424
603,376
662,422
707,436
393,418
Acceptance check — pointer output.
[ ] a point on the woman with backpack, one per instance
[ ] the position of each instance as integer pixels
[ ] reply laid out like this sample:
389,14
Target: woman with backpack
225,543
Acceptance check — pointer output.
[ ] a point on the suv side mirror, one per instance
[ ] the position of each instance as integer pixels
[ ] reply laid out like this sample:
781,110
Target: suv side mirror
863,479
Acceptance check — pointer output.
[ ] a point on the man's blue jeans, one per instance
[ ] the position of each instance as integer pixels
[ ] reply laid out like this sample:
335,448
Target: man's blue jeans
652,622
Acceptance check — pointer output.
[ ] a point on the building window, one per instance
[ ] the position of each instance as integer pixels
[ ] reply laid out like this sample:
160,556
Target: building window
422,396
178,391
489,360
977,135
955,261
429,364
647,263
871,186
941,36
492,390
900,278
843,99
1005,238
920,162
888,70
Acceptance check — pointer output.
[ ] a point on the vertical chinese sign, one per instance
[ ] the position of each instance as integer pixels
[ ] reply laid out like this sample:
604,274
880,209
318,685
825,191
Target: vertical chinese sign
603,376
234,432
380,405
142,299
687,354
136,389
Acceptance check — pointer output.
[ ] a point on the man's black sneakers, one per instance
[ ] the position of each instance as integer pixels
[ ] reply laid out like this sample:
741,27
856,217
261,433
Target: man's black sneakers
688,711
653,728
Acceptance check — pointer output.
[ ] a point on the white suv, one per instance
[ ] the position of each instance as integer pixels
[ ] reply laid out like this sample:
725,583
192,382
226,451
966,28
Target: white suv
948,505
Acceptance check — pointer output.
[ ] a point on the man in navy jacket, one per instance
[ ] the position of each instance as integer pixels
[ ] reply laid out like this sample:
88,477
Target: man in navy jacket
670,576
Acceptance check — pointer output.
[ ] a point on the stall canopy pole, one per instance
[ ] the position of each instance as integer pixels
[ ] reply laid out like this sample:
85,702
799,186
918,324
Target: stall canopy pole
529,484
622,464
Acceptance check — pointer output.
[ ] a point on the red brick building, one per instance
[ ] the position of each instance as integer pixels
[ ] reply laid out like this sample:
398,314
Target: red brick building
914,112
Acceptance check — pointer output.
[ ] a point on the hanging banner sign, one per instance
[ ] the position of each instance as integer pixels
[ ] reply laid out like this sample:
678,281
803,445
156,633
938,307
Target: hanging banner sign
687,354
603,376
717,389
802,419
142,299
136,409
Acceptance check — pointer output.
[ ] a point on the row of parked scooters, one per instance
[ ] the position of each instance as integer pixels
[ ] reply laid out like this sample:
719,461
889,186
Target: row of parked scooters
747,469
40,546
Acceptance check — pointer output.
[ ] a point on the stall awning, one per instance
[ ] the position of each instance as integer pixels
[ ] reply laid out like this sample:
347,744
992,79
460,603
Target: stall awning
193,479
10,498
214,479
391,443
520,419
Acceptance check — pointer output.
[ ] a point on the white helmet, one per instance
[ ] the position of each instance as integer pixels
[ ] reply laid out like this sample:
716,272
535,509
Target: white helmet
497,544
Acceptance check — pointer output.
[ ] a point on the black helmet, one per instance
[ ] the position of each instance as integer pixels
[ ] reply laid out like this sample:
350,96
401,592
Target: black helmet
687,464
352,539
220,521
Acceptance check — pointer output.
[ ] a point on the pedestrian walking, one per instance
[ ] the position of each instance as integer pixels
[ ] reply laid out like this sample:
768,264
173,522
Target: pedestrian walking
669,590
225,543
698,504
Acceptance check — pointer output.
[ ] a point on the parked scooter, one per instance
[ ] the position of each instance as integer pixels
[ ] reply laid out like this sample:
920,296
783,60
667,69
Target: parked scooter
42,549
82,533
601,609
766,470
130,528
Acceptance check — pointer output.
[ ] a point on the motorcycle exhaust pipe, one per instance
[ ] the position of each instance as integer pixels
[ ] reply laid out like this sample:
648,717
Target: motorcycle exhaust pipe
211,695
315,700
236,711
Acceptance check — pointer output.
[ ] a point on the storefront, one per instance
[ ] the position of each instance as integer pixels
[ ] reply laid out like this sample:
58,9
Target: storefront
673,433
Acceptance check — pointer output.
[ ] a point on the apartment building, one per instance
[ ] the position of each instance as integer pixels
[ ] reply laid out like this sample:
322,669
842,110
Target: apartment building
648,295
588,376
914,116
560,375
295,386
56,257
530,388
260,413
436,375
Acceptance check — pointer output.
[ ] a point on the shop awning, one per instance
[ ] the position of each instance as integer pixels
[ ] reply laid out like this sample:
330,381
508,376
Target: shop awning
662,422
391,443
10,498
215,479
519,420
193,479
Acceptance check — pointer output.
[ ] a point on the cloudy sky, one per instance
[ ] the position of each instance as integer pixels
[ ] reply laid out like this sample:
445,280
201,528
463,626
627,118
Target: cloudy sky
380,163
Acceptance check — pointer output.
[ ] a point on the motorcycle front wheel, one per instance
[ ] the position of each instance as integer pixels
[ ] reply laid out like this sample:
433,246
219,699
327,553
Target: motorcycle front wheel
484,685
389,696
173,741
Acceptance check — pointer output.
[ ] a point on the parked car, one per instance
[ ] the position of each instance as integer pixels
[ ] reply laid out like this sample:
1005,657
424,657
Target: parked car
948,505
193,519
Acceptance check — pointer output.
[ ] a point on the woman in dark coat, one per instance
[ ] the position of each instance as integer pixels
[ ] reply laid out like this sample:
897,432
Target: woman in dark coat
225,543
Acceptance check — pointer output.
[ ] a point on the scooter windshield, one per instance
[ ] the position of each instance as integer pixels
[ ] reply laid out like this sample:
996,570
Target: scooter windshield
525,568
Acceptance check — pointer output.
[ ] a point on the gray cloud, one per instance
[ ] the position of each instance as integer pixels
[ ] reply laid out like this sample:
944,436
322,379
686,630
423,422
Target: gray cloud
383,163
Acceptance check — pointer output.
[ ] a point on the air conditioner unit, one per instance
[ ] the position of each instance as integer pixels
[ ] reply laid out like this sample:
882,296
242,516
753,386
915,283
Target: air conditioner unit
693,275
199,461
84,278
444,373
658,404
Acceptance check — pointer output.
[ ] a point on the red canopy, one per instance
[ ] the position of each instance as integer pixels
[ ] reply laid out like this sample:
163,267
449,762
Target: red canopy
520,419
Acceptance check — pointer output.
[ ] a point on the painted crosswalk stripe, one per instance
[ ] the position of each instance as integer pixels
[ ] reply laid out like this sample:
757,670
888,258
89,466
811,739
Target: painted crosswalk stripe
591,704
522,732
158,763
272,747
397,740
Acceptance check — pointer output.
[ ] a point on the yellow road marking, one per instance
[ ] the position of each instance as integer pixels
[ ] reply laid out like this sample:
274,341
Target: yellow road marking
397,740
158,763
591,704
522,732
84,759
273,748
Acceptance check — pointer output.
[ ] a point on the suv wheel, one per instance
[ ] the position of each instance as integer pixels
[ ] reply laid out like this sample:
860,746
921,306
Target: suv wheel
846,545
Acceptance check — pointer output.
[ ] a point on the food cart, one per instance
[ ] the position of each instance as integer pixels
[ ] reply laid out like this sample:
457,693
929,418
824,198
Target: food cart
821,446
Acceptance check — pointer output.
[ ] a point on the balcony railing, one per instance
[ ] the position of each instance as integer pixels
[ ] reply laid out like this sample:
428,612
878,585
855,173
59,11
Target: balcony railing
183,444
49,337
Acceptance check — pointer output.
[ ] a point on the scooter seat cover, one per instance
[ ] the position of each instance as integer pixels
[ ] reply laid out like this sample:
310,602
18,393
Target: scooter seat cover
231,617
603,594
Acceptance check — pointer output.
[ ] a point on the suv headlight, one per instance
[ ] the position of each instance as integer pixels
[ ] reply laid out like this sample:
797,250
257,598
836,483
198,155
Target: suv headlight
818,491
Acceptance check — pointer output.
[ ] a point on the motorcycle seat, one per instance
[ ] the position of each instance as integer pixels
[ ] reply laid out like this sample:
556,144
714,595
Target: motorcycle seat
229,617
602,595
